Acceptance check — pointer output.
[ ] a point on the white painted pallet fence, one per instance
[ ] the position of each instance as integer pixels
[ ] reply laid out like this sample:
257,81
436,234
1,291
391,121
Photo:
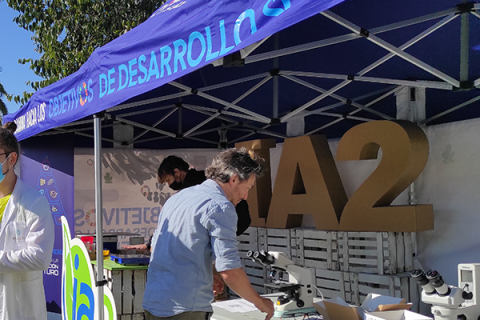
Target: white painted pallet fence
128,287
345,264
375,252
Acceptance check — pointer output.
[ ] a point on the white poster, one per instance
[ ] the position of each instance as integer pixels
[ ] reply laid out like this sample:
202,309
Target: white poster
132,197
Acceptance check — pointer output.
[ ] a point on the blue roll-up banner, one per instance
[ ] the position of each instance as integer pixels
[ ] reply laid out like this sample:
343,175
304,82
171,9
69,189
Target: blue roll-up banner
48,167
180,37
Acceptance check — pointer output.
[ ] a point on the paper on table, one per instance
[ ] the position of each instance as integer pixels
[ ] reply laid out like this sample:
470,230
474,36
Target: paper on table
236,306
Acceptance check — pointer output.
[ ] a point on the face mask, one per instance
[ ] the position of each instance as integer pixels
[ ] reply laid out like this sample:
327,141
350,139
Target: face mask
176,185
2,175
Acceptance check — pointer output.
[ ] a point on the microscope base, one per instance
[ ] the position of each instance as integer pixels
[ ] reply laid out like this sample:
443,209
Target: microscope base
293,313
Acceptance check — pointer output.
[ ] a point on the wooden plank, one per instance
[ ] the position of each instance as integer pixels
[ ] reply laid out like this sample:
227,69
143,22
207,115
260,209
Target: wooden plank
400,253
362,243
262,238
254,272
316,264
364,252
379,253
332,284
363,261
314,234
284,242
139,279
362,234
409,250
126,317
392,247
301,248
138,316
345,252
117,290
310,243
277,232
374,278
355,289
323,255
127,292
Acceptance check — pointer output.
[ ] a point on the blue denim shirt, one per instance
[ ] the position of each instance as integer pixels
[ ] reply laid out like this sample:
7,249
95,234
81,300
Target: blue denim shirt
195,225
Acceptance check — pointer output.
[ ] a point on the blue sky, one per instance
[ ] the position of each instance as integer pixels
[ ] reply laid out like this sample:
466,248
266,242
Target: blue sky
15,43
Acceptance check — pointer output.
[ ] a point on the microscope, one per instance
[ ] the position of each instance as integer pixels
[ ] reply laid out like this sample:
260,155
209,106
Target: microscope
297,298
450,302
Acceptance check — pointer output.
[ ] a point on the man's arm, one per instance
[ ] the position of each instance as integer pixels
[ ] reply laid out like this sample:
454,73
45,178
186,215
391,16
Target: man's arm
238,281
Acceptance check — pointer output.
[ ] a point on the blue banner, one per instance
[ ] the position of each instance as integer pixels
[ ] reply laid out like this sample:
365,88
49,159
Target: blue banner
180,37
49,168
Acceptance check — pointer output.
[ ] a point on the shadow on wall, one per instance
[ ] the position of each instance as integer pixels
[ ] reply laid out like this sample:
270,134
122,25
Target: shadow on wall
138,166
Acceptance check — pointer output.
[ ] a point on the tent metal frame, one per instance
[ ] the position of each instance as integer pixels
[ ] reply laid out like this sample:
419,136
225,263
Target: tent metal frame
240,118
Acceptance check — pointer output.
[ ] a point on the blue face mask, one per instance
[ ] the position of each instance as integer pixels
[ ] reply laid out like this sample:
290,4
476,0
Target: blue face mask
2,175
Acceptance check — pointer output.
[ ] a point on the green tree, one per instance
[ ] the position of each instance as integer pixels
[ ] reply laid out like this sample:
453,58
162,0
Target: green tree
66,32
3,106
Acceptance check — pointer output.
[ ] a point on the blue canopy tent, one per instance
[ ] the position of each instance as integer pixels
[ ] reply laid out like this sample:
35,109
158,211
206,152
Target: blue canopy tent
211,73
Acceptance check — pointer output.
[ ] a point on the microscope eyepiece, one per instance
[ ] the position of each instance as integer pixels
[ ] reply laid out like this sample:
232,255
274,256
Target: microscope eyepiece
437,282
263,257
419,276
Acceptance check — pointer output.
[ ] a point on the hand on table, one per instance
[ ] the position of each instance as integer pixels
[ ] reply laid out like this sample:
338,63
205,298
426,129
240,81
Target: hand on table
266,305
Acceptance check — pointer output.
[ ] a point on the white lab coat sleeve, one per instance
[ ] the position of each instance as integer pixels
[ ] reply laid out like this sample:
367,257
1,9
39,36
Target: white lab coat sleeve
40,237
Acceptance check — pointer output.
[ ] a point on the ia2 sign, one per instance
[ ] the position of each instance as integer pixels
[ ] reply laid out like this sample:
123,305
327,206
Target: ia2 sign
308,181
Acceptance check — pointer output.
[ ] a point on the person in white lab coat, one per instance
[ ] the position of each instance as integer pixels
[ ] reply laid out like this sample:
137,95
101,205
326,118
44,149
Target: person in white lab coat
26,240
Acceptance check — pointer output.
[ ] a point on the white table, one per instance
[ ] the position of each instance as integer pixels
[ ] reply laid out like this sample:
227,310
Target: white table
223,314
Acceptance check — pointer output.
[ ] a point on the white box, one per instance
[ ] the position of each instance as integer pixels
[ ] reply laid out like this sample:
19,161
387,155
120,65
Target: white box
395,315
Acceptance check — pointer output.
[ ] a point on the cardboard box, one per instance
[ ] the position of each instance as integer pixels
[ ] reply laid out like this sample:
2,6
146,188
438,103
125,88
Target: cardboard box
337,309
395,315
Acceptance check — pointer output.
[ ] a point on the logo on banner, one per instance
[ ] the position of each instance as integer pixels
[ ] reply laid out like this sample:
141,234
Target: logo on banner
79,299
174,4
83,92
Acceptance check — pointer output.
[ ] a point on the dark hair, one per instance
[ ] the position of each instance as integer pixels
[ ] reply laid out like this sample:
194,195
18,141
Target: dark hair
170,163
8,141
10,125
234,161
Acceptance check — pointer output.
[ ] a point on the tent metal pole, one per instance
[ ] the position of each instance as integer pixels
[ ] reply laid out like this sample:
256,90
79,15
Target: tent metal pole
198,133
93,137
275,79
475,14
151,139
253,128
358,110
441,114
420,84
387,46
136,124
171,106
222,102
97,128
154,125
476,83
255,87
216,112
62,131
250,134
150,101
344,38
464,45
335,96
339,104
203,140
378,41
233,82
409,43
315,100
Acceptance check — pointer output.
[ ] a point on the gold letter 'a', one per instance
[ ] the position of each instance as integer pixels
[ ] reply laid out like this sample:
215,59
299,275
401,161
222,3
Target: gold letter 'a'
307,183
